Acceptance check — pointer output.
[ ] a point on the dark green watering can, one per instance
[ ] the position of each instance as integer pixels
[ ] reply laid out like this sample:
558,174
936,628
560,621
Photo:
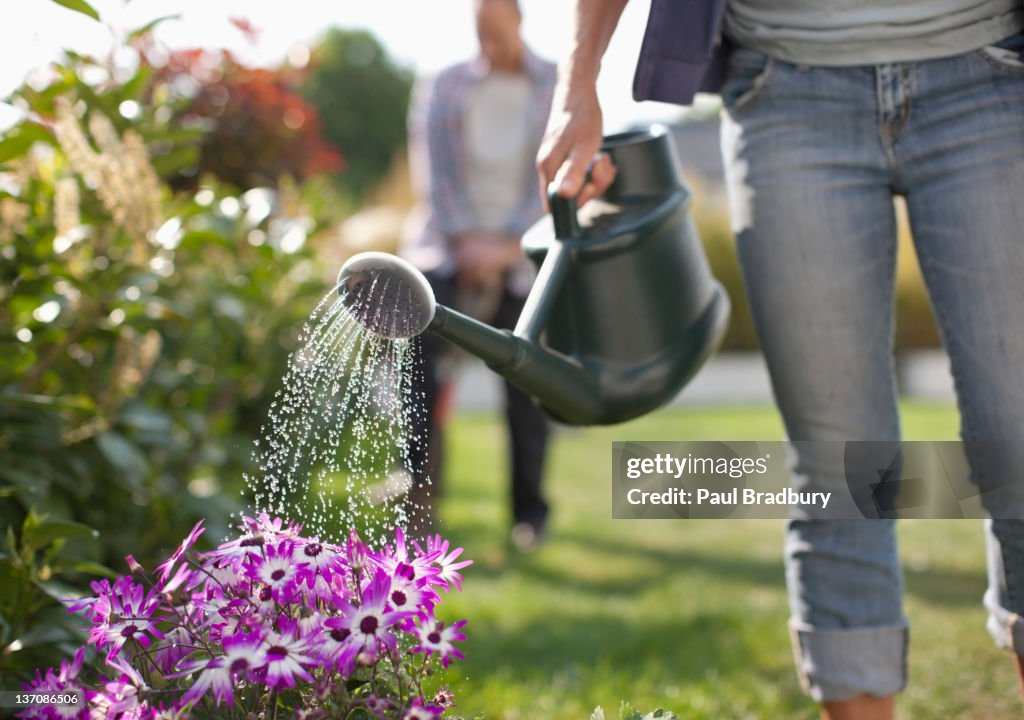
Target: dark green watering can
624,310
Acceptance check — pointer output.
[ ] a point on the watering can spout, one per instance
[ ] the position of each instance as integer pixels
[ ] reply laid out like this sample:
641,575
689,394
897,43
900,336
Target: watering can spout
393,299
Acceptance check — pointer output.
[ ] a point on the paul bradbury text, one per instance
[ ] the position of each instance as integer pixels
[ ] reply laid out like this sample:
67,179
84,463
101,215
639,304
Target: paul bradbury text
733,497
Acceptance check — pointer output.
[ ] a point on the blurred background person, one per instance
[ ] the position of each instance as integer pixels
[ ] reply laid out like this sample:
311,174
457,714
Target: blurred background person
474,131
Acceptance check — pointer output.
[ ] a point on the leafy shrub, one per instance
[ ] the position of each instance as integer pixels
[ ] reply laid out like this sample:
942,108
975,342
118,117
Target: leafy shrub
143,332
258,128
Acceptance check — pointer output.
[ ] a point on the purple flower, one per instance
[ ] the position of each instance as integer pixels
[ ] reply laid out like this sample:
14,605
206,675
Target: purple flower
126,670
118,699
264,525
235,552
444,697
377,705
63,681
356,552
420,711
318,561
243,655
448,574
276,570
97,607
129,615
226,574
166,568
409,594
286,654
370,623
336,646
434,637
391,559
185,577
270,611
178,643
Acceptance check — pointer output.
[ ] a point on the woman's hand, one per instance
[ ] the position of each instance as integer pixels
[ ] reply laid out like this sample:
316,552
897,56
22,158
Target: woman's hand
571,143
573,137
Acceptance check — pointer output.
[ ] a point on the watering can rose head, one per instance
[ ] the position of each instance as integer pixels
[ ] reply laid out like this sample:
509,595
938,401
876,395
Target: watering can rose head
270,619
386,294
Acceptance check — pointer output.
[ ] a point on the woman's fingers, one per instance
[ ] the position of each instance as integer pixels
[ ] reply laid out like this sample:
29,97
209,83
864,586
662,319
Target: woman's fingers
601,176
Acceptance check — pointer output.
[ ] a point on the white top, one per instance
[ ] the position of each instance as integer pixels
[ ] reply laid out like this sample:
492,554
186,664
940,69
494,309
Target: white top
498,146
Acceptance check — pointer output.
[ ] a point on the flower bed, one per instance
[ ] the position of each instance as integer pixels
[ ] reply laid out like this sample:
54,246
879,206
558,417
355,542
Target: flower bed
269,625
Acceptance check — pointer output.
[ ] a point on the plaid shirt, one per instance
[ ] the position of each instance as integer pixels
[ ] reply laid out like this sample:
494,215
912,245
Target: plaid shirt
437,162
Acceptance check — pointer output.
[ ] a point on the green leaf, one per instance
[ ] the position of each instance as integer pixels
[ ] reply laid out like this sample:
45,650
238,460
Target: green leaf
11,544
92,568
139,32
40,634
123,455
22,137
37,532
59,591
80,6
11,580
67,402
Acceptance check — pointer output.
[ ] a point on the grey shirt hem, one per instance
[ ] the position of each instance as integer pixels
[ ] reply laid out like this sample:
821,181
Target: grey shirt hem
833,46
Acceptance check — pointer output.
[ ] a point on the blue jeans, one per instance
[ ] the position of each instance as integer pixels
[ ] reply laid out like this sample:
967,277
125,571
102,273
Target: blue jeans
814,157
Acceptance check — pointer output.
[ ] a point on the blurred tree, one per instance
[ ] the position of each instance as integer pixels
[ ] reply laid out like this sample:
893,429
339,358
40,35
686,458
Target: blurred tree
362,97
257,127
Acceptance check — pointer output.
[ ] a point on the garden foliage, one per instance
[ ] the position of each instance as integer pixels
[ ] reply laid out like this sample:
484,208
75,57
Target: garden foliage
143,330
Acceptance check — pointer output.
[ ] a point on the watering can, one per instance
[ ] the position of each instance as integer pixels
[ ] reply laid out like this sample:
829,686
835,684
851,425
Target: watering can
623,312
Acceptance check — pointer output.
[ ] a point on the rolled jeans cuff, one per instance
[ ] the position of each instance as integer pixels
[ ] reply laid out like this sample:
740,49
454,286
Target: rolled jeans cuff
838,664
1005,627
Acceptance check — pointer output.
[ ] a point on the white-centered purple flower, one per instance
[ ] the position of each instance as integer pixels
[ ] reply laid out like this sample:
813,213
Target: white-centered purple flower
391,558
410,594
287,654
318,561
130,617
276,569
371,623
420,710
62,682
244,655
435,637
335,645
437,550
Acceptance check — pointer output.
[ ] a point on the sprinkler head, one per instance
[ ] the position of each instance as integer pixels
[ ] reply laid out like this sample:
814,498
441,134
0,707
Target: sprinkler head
386,294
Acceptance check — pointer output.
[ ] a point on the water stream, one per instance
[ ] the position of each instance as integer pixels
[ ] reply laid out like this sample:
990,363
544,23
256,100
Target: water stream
337,449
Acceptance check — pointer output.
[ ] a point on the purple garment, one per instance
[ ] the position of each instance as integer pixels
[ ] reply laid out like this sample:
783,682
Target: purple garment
682,53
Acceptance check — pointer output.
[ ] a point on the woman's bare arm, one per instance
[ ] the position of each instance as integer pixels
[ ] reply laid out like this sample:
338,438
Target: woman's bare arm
573,135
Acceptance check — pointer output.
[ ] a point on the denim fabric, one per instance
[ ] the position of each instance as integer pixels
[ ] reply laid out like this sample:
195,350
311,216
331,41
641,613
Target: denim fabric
814,157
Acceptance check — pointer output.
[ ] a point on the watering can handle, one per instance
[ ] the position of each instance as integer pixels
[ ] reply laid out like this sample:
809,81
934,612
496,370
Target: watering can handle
552,271
563,213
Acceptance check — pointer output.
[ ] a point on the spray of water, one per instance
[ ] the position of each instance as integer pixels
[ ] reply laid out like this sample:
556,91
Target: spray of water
338,448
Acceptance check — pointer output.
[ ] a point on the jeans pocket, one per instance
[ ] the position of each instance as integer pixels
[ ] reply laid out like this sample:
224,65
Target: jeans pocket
1006,56
747,77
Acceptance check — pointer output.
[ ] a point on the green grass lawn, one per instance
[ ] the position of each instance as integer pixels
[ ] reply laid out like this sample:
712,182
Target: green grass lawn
688,615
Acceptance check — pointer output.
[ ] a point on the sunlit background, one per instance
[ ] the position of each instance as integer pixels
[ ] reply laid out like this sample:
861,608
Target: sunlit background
424,36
